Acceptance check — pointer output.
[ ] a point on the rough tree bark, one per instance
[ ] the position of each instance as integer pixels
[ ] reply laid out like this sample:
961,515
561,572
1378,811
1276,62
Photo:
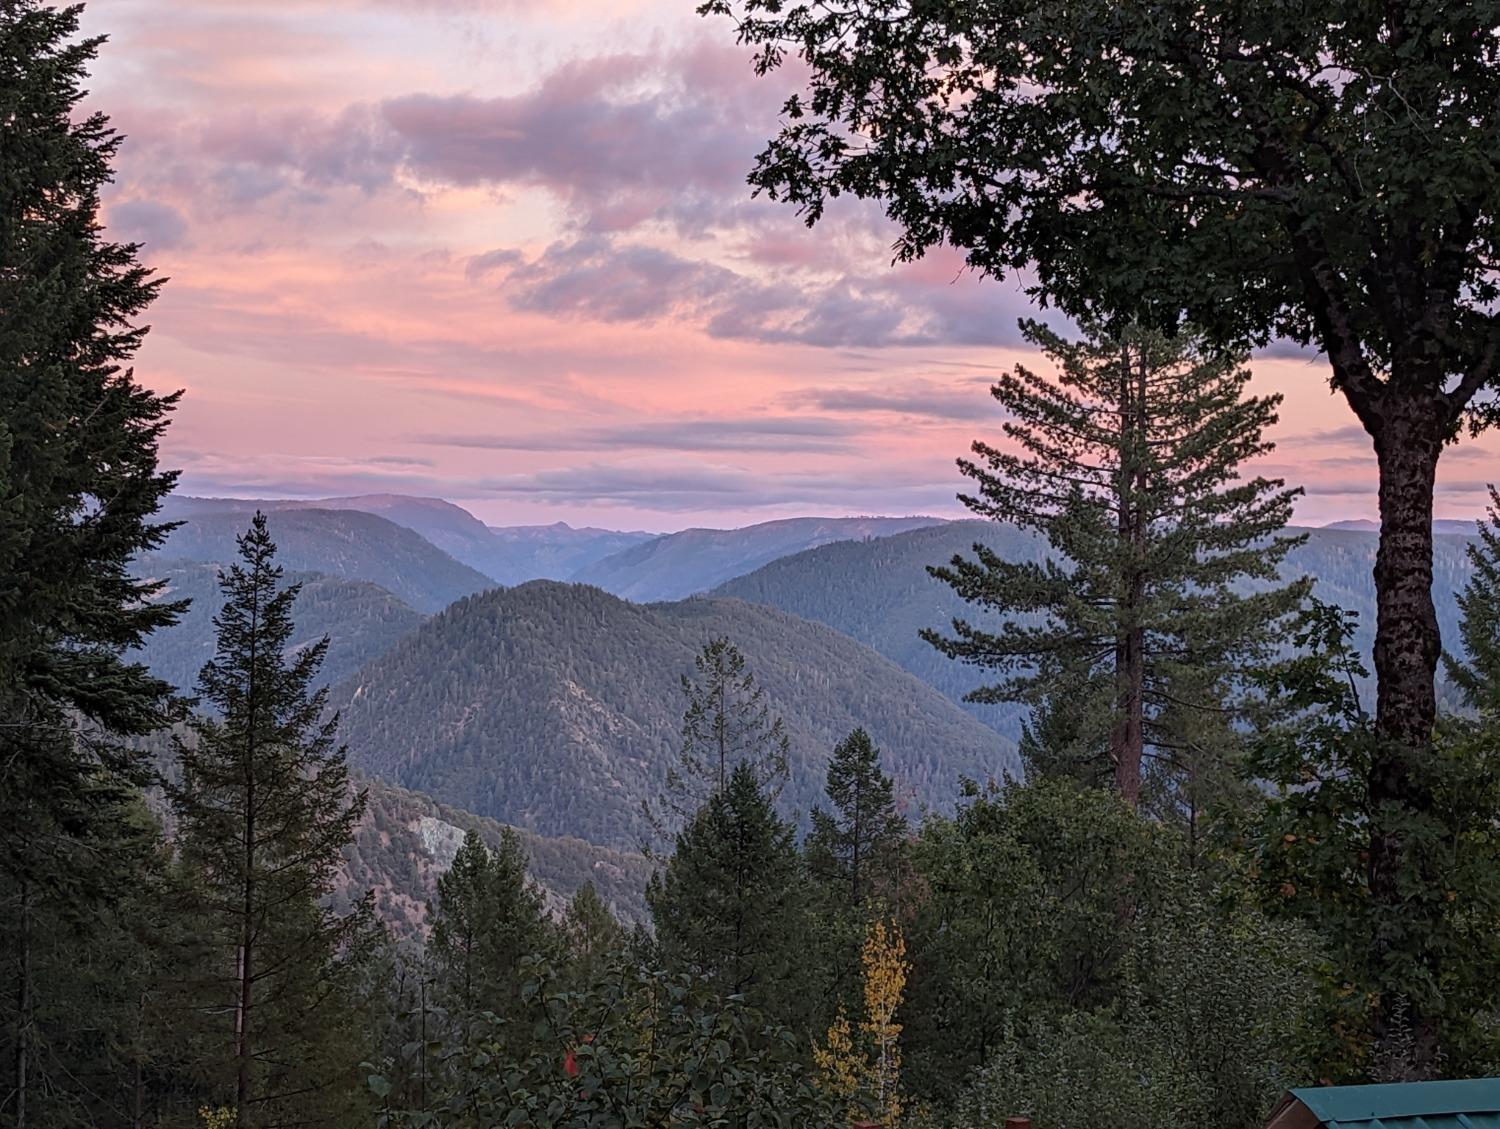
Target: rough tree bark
23,1009
1408,436
1127,746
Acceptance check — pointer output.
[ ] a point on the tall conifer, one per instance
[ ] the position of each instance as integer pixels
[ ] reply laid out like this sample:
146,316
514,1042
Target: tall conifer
264,808
591,932
1128,464
730,902
1477,673
487,917
854,855
727,723
79,483
79,479
852,846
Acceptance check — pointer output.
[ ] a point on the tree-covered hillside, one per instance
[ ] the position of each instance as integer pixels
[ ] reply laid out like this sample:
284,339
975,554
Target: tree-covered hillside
361,620
557,707
694,560
345,543
879,592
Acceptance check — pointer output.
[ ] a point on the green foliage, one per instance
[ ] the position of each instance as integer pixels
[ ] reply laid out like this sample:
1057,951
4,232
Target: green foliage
856,858
853,847
1259,169
263,809
1023,898
1477,674
1128,464
1208,1028
731,905
79,483
632,1048
79,479
556,707
1065,952
488,917
89,984
591,935
1311,851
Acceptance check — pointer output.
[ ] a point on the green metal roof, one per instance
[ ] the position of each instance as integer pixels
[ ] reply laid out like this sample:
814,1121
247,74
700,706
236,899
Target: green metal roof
1469,1103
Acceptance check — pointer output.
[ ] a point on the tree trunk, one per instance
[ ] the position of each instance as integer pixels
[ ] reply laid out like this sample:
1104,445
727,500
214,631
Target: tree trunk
23,1008
1408,440
1407,645
245,968
1127,744
242,1034
1127,738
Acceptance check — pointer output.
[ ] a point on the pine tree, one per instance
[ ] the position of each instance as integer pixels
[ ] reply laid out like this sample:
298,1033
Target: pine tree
79,483
854,856
591,933
1477,674
1129,466
853,847
729,905
487,918
79,480
264,808
727,723
95,1018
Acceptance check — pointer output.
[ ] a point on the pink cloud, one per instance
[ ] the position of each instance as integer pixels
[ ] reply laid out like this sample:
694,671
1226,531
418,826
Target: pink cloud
466,247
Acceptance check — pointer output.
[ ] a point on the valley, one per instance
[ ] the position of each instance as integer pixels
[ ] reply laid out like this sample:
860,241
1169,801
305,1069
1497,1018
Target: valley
553,706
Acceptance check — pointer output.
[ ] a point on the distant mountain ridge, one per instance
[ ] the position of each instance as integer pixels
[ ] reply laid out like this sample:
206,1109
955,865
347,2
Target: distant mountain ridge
350,544
1442,527
557,551
677,565
879,592
638,566
503,554
557,707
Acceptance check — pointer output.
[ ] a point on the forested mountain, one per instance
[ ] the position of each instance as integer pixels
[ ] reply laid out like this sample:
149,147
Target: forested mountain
1342,563
557,707
361,620
694,560
344,543
879,592
407,840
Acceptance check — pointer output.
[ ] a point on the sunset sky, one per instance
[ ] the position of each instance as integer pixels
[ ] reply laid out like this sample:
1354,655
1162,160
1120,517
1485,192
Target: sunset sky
502,252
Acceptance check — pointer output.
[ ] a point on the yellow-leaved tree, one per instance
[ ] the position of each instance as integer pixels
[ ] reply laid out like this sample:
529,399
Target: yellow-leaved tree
868,1063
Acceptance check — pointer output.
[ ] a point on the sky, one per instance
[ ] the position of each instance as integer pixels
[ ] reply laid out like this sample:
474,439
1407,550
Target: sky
503,252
